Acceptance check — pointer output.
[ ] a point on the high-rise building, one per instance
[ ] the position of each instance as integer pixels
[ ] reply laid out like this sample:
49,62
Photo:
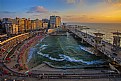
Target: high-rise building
29,28
14,29
38,24
45,25
33,24
58,21
7,23
21,24
10,26
55,21
45,22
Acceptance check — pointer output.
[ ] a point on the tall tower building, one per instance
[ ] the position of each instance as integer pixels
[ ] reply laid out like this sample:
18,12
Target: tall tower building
55,21
58,21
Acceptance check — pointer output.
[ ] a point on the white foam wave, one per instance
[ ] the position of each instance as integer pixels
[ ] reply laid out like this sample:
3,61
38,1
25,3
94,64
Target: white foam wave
82,61
86,49
51,58
43,47
70,59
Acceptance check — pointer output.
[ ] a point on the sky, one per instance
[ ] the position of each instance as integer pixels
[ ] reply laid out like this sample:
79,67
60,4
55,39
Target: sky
80,11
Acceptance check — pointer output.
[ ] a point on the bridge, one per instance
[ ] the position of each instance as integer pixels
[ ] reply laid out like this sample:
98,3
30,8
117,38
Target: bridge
108,49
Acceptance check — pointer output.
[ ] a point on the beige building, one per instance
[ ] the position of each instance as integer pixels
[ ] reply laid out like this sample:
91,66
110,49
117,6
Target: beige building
38,24
29,25
33,24
58,21
55,21
45,25
14,29
21,25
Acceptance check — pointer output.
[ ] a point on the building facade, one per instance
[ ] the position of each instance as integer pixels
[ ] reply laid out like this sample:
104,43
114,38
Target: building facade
38,24
45,25
55,21
14,29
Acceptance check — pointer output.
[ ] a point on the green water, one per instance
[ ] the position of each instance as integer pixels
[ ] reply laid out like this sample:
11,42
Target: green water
63,51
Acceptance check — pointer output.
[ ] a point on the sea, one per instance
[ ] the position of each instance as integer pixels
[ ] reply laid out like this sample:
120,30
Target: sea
67,52
105,28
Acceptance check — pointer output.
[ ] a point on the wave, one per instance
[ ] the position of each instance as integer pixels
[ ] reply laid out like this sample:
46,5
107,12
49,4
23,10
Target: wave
30,54
86,49
51,58
70,59
43,47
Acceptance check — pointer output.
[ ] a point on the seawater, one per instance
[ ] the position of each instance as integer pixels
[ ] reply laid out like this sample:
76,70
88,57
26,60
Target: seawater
64,52
105,28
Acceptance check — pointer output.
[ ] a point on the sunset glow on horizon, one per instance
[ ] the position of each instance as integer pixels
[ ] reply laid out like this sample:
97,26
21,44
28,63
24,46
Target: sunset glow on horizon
82,11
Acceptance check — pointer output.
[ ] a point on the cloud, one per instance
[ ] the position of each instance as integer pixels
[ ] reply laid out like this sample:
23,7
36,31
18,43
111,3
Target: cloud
37,9
55,12
73,1
6,12
114,2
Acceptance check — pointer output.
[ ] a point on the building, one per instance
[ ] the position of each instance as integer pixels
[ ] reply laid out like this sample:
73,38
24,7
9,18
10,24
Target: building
38,24
46,21
25,25
58,21
14,29
2,29
7,24
29,25
52,21
55,21
33,25
45,25
10,28
21,25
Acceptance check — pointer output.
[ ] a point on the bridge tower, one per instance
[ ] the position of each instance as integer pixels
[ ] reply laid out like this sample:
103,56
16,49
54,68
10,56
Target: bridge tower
116,40
98,39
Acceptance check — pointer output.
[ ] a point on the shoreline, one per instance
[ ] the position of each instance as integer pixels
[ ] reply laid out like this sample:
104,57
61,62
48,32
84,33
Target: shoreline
32,42
19,58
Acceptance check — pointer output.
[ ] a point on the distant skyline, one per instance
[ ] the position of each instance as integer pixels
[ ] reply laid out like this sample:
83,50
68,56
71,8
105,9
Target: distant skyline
80,11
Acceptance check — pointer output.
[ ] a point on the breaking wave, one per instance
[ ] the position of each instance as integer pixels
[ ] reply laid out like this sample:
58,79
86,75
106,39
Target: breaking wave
70,59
